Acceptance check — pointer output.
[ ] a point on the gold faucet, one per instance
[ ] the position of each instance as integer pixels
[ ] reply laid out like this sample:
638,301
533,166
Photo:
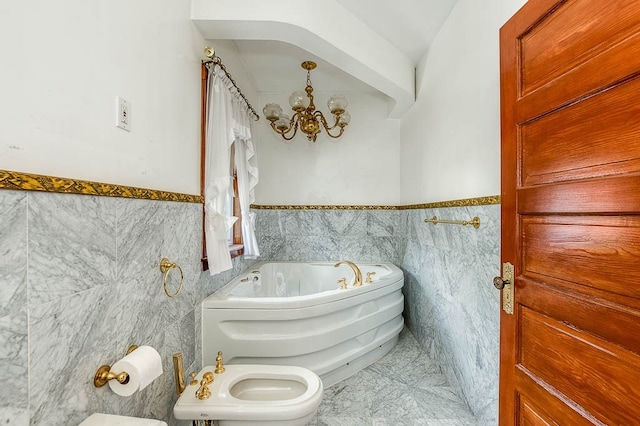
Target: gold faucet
358,279
369,275
203,392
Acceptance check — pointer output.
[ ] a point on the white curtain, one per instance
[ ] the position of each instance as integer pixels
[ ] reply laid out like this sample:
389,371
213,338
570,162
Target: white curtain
227,122
219,137
247,172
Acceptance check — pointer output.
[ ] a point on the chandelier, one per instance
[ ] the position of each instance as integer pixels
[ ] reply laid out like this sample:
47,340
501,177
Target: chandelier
305,115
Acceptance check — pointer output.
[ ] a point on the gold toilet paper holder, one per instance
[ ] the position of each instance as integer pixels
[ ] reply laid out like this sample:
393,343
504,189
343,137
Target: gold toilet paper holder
104,374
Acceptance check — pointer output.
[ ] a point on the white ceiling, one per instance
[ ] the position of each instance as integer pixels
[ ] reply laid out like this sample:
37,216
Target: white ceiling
401,30
275,67
409,25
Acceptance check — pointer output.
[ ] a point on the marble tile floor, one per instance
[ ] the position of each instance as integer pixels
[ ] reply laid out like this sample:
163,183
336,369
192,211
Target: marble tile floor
404,388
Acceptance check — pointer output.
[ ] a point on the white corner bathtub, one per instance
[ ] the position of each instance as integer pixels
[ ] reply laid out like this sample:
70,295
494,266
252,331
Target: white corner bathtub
291,313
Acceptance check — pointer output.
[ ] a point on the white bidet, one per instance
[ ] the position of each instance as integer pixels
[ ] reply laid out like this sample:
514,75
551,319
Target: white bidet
254,395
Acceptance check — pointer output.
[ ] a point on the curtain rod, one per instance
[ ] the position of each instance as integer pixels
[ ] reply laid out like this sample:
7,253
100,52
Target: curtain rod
216,60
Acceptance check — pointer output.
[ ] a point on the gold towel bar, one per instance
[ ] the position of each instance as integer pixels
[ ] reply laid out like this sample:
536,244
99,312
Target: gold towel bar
475,221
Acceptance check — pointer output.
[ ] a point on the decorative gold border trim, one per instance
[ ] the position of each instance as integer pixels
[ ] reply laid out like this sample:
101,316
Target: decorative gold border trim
31,182
480,201
320,207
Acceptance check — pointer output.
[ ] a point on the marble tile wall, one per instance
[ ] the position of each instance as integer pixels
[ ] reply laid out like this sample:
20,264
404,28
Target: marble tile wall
451,305
79,283
328,235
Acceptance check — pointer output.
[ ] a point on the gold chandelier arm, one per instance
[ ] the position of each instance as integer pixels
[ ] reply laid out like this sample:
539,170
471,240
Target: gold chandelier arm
338,135
326,125
292,126
295,130
323,120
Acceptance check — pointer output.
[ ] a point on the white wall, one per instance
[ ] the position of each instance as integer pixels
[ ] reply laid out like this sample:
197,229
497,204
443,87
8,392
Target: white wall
360,168
63,63
451,136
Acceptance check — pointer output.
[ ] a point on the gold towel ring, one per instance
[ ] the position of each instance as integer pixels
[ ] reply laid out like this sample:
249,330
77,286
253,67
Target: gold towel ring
166,266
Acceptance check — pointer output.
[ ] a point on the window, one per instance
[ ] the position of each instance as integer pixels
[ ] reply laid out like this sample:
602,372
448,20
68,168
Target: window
236,248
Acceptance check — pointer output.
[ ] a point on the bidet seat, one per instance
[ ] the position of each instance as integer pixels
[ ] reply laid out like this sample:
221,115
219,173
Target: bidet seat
255,394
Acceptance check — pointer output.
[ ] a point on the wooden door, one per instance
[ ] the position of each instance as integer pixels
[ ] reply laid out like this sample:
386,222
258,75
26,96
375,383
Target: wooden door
570,93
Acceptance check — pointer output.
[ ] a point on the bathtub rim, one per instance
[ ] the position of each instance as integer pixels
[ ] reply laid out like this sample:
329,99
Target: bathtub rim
220,300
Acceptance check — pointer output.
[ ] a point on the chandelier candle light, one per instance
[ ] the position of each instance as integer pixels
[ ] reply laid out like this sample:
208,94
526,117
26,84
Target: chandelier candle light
306,117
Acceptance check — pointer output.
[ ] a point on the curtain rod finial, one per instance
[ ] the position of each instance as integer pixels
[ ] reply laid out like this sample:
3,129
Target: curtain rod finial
209,51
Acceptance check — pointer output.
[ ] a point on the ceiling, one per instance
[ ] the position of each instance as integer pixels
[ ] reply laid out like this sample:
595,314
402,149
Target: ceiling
409,25
359,45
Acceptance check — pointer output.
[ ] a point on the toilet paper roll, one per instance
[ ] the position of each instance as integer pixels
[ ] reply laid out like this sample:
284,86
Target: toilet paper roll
143,366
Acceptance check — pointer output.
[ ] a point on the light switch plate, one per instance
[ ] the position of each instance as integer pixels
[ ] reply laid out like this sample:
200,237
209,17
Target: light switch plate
123,115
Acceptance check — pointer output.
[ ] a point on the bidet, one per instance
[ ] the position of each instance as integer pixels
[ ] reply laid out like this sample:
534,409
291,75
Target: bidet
247,395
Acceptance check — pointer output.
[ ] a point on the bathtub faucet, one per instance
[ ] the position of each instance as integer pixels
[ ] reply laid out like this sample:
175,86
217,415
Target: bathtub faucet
358,279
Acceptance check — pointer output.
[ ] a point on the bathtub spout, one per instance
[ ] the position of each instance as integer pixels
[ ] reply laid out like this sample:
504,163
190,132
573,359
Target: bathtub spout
358,275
